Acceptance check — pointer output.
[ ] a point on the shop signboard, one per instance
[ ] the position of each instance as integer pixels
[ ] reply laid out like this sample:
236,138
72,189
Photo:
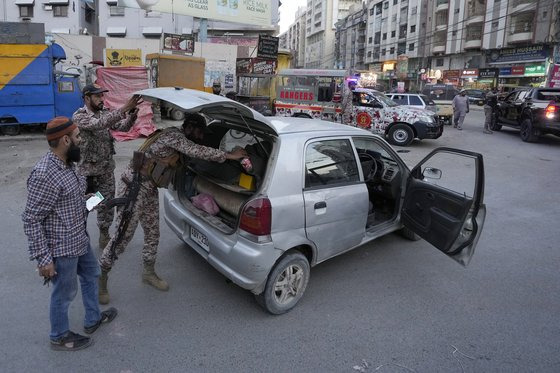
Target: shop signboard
520,54
554,78
488,73
229,81
255,66
402,66
251,12
123,57
268,47
469,73
180,43
518,70
505,71
535,70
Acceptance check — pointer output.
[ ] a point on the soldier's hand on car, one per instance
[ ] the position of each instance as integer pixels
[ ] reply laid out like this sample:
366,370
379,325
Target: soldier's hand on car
131,104
237,154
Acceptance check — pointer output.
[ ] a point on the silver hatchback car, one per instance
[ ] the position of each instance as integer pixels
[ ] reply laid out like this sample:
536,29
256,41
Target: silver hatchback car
316,190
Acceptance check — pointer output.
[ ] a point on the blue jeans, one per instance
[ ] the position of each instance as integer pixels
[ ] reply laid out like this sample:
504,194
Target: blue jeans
65,288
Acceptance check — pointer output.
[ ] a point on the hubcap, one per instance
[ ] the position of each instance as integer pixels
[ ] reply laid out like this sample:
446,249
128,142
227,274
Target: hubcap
400,135
288,284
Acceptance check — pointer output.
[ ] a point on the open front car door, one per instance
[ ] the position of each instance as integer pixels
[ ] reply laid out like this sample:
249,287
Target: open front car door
444,201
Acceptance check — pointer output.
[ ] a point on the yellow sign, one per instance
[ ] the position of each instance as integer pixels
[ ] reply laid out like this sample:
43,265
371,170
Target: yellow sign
252,12
123,57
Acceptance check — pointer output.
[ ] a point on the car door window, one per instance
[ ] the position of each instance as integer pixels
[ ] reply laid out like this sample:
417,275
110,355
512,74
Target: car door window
330,162
416,101
401,99
458,172
511,97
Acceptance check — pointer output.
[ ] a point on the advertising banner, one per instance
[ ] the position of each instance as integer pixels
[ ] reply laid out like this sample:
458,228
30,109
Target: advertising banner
521,54
469,73
554,78
181,43
123,57
251,12
535,70
517,70
255,66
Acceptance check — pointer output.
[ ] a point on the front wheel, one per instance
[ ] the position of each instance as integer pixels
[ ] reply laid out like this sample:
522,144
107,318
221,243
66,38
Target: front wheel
527,132
401,135
286,284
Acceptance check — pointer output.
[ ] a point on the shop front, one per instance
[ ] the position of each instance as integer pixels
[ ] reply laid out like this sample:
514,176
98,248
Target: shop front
521,67
469,78
452,77
487,78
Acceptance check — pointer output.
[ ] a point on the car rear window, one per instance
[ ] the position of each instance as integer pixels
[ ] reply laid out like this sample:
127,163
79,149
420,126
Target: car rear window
549,95
415,100
427,100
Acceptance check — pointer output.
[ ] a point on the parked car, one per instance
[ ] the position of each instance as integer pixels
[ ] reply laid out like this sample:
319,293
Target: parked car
317,190
400,124
442,95
415,100
534,111
475,96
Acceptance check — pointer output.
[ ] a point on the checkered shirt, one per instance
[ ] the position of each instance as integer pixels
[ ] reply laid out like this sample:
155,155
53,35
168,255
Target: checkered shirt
54,219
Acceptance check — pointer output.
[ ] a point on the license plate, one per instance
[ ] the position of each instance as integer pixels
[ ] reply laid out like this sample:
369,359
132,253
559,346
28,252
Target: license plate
200,239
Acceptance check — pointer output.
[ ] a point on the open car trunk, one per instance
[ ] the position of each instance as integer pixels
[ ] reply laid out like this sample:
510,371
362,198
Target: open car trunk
228,184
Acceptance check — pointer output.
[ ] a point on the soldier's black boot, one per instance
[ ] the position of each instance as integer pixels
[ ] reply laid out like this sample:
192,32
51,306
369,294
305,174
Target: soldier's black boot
150,277
103,292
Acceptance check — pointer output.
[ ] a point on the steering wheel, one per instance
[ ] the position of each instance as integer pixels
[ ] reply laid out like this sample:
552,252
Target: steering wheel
369,166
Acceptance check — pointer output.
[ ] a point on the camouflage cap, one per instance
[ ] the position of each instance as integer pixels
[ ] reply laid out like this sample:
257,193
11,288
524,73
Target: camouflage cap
92,89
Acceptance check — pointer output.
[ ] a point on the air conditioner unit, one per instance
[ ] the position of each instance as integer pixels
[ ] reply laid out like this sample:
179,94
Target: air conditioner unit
47,7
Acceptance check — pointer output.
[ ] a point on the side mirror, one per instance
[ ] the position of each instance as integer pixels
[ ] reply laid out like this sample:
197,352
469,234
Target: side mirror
431,173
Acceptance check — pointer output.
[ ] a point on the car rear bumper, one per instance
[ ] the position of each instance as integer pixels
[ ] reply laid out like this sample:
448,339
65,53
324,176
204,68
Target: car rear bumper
244,262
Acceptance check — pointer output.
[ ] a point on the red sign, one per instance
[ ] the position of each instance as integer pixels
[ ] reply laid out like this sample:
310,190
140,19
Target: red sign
451,74
518,70
554,81
296,95
363,120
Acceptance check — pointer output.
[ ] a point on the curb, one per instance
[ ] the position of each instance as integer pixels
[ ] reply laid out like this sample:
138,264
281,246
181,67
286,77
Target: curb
21,138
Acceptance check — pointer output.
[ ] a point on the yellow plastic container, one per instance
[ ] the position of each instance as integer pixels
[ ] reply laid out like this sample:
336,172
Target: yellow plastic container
247,181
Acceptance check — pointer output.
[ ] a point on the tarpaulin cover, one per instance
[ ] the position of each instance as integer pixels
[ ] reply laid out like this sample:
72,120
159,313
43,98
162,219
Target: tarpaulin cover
122,82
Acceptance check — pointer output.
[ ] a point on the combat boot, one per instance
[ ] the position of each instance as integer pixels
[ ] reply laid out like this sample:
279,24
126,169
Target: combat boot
103,292
150,277
103,238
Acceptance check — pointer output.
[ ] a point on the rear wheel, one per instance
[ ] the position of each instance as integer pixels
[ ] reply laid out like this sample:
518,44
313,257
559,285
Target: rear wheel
177,114
11,130
527,132
401,134
286,284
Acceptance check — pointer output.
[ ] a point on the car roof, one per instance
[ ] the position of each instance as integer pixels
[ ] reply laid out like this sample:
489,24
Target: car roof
286,125
406,94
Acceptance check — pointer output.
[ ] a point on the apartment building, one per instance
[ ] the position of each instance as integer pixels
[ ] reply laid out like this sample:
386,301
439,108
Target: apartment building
320,26
106,18
350,38
296,38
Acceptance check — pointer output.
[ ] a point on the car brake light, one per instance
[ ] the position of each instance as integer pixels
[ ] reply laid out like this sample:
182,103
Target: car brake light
550,111
256,217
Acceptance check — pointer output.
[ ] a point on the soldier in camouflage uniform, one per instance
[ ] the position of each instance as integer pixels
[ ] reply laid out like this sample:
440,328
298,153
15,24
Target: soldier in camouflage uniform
169,143
347,106
97,147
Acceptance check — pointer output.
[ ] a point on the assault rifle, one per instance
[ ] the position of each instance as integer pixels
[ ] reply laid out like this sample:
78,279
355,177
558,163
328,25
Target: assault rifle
126,203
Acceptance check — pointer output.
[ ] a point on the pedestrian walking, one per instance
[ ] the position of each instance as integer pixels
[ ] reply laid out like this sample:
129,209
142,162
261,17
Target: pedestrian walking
460,109
347,105
162,151
95,122
490,107
54,221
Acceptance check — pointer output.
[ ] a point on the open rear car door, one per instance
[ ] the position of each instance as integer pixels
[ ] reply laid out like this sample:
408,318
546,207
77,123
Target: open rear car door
444,201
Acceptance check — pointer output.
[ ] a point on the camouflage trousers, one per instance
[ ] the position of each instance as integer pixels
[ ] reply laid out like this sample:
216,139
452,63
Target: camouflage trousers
105,184
145,211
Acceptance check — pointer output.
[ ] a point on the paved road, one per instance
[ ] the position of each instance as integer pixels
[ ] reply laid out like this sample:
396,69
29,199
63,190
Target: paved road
391,306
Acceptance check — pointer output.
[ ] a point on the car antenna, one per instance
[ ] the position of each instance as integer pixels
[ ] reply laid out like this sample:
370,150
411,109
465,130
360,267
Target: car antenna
252,133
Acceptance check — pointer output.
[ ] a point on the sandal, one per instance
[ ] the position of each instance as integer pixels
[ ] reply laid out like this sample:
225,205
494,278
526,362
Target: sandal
71,342
106,317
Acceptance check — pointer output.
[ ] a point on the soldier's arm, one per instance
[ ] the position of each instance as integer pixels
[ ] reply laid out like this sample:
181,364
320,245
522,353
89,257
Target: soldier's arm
42,195
180,143
125,124
107,119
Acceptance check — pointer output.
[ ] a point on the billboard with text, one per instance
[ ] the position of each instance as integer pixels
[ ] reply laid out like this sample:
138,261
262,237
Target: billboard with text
252,12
